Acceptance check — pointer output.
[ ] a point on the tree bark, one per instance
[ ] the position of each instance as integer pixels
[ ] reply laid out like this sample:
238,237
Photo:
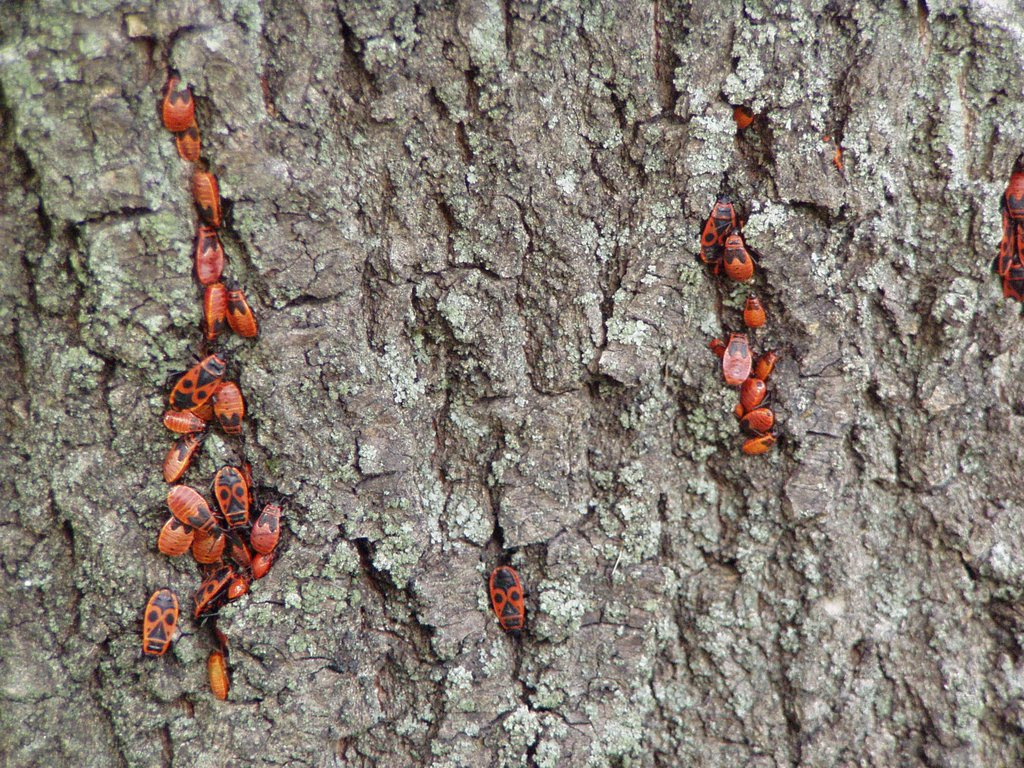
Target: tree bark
468,231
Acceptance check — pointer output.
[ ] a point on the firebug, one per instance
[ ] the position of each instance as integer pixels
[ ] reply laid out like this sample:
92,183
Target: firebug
232,496
507,598
183,422
209,256
180,456
178,108
189,506
755,446
207,196
718,347
752,393
229,407
266,530
175,538
1012,203
736,361
261,565
211,590
207,548
737,259
217,670
765,365
240,314
758,422
753,313
159,622
215,307
197,385
238,587
188,143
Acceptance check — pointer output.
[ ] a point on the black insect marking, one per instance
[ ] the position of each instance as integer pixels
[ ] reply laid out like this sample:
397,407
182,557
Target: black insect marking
153,615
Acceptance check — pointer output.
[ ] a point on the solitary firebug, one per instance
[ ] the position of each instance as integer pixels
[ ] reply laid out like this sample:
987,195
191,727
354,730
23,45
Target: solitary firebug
159,622
175,538
197,385
232,496
507,598
753,313
207,196
189,506
177,108
266,530
209,256
217,670
240,315
737,259
737,360
180,455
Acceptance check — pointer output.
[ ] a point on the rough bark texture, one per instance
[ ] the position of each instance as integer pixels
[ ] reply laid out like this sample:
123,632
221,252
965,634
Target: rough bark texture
469,233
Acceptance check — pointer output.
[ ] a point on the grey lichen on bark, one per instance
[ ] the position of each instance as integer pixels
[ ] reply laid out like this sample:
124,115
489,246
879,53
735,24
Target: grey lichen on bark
468,230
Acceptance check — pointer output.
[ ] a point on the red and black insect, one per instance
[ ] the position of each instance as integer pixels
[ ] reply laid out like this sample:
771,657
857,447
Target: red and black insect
207,548
743,116
183,422
159,622
175,538
207,597
207,196
197,385
261,565
1013,281
753,391
765,365
178,109
209,256
240,314
755,446
188,143
189,506
229,407
177,461
720,222
758,422
215,307
217,671
507,598
737,259
753,313
240,554
266,530
1012,203
238,587
232,496
737,360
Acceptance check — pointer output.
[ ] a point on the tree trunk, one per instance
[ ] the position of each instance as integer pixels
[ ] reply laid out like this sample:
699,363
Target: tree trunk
469,235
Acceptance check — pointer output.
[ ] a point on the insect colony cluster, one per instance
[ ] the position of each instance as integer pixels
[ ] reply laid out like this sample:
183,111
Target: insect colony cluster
231,551
724,250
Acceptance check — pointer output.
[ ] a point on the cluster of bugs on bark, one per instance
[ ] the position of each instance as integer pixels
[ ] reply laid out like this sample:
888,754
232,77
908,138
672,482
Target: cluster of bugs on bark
231,545
723,249
1009,261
